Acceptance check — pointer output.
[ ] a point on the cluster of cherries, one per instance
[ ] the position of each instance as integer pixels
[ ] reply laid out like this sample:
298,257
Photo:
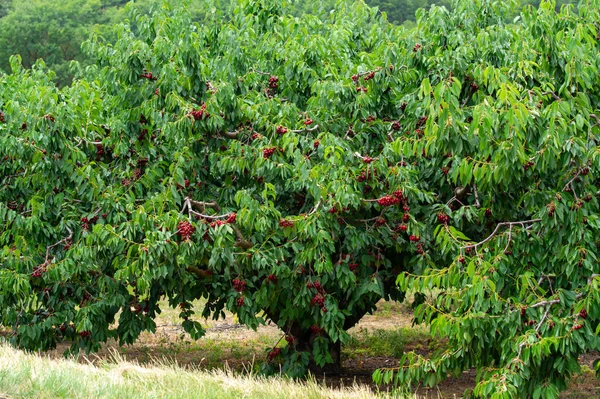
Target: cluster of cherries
273,82
388,200
396,125
85,222
403,227
367,159
268,152
39,270
528,165
148,75
318,299
199,114
99,151
551,208
2,118
286,223
185,230
231,218
238,285
317,286
85,334
137,173
316,329
272,278
365,174
273,353
281,130
291,340
369,76
143,134
380,221
217,223
443,218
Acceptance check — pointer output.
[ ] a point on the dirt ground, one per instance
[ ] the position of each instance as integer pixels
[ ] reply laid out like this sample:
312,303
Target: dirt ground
230,345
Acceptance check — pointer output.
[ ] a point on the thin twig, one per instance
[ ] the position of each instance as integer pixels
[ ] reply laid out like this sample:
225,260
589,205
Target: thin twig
201,206
553,302
509,238
537,328
261,73
63,241
231,135
571,181
356,154
454,199
477,204
592,277
312,129
369,220
314,210
557,98
198,272
210,217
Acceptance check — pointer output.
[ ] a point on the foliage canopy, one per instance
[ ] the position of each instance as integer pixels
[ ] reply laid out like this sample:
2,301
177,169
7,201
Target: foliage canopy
296,169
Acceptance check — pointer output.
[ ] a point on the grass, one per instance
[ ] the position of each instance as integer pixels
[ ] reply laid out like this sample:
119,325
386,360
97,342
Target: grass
30,376
384,342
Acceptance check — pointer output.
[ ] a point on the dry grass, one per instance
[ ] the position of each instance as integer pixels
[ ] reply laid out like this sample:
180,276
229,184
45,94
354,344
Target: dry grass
30,376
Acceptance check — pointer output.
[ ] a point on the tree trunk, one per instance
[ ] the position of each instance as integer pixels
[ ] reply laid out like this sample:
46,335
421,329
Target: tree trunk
304,343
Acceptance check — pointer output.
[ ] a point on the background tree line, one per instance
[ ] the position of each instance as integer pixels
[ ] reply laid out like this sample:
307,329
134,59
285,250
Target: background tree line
54,31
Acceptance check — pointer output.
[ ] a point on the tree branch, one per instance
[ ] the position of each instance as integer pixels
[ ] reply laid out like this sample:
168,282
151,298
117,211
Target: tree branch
358,75
210,217
191,204
201,206
314,210
477,204
261,73
231,135
553,94
366,159
571,181
198,272
306,129
240,241
63,241
522,223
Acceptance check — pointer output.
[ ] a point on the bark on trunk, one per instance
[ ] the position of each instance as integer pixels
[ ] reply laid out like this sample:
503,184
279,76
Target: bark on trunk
304,343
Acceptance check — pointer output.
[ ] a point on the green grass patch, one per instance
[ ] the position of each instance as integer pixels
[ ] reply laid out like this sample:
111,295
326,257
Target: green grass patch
30,376
386,342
